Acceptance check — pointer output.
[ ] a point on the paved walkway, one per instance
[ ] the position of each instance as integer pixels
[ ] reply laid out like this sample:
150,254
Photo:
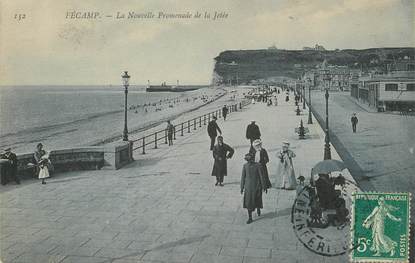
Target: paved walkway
382,150
164,207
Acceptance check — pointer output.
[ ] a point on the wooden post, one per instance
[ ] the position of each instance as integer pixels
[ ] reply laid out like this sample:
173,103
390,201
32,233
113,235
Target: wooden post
155,140
200,121
188,126
165,137
204,119
182,129
194,124
144,145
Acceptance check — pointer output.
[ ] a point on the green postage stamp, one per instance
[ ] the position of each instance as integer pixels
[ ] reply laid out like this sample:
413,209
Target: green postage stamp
380,227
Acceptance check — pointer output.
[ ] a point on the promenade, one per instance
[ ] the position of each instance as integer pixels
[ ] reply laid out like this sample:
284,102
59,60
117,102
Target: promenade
164,207
368,151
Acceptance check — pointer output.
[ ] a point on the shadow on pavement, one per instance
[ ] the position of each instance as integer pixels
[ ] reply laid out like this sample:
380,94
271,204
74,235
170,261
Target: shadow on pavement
143,162
66,180
181,242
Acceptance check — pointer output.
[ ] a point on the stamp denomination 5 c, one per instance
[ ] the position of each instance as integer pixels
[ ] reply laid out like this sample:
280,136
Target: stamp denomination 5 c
380,227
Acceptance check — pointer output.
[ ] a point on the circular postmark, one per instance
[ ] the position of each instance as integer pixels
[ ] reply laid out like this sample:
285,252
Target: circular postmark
321,215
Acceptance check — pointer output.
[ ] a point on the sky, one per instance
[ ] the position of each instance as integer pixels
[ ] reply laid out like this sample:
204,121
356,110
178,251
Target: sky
48,48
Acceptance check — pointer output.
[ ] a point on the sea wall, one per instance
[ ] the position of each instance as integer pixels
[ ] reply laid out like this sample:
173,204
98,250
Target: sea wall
112,156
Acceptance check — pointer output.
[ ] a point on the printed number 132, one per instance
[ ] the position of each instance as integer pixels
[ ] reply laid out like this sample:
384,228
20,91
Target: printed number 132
19,17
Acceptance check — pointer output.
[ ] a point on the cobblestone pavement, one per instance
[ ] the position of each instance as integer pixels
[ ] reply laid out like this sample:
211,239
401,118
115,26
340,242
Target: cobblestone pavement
382,149
164,207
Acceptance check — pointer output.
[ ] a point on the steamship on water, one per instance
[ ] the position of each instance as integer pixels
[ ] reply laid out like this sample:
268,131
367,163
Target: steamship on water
173,88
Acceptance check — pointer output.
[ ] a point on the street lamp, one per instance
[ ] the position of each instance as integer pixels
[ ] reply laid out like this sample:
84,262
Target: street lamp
327,153
303,96
125,80
310,119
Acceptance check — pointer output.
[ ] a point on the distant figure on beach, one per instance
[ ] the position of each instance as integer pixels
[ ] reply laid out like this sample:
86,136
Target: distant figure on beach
261,157
252,132
9,171
252,186
354,121
286,168
213,130
221,152
42,162
170,131
287,97
275,101
224,112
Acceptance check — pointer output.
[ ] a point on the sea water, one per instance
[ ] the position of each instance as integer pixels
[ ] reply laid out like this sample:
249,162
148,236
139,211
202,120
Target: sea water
26,111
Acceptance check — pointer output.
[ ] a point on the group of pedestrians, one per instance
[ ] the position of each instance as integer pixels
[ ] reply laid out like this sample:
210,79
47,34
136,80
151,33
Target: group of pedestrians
255,177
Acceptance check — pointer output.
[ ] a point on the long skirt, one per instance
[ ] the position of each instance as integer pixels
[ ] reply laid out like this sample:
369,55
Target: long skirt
288,177
43,172
252,199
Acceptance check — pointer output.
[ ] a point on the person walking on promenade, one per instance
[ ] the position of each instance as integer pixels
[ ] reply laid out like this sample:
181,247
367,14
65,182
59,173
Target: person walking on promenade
10,167
170,131
251,186
261,157
43,163
213,130
286,168
354,121
224,112
287,97
221,153
252,132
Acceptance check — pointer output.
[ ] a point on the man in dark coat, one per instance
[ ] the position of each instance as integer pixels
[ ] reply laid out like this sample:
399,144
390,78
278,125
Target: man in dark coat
224,112
213,130
170,131
261,157
10,167
252,132
252,185
221,152
354,121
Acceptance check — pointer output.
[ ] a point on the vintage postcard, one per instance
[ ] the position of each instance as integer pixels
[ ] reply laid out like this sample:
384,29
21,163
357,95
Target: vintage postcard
195,131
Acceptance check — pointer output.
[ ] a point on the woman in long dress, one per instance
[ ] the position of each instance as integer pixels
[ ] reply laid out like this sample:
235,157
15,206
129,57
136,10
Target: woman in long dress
381,243
252,185
43,163
286,168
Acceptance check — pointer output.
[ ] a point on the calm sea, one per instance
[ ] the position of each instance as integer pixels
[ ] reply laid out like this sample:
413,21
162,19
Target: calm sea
24,108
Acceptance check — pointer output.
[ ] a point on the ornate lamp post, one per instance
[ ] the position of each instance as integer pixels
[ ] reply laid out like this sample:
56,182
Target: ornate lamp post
125,80
303,96
310,119
327,152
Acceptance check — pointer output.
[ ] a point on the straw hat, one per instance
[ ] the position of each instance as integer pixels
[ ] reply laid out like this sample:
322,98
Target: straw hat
257,142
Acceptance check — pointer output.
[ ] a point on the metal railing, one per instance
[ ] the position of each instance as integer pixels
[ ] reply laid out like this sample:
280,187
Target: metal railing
154,138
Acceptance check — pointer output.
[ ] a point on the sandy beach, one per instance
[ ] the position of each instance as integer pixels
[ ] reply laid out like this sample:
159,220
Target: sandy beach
100,129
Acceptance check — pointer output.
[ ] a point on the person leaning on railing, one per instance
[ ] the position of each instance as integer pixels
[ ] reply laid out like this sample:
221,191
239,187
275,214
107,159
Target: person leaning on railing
170,131
9,167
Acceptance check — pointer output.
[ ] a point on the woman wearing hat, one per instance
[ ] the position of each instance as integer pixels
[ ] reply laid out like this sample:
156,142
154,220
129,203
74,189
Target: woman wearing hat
221,152
286,168
261,157
43,163
252,185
